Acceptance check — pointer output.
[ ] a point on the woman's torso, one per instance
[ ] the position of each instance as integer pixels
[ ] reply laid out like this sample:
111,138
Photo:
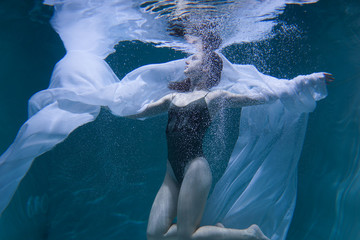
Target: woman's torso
188,121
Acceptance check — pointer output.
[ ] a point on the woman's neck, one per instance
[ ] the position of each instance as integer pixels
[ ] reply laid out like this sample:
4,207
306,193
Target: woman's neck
200,86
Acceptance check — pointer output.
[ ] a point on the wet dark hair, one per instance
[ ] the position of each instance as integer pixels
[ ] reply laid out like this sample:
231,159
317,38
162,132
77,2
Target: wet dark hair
210,41
182,86
213,65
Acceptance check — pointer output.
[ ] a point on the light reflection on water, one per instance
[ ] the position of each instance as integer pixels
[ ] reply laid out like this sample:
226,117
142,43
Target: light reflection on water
235,21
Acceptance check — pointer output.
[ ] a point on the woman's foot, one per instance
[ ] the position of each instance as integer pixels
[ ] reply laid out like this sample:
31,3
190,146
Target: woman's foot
256,233
220,225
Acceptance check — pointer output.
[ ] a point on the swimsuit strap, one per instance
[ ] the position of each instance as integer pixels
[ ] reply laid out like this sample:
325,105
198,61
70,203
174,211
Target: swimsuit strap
206,94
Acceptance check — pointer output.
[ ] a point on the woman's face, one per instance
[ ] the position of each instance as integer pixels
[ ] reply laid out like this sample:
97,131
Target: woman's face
194,65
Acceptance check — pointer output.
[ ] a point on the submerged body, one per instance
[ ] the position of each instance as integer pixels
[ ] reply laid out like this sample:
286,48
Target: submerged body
184,192
188,179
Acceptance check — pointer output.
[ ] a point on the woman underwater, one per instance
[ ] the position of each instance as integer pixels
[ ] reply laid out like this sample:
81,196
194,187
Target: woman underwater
82,82
188,178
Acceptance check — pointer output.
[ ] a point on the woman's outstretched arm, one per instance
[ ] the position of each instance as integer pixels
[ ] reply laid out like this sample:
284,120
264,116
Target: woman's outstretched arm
155,108
234,100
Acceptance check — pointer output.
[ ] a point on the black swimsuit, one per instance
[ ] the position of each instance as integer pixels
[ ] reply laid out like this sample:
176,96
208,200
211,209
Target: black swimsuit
185,131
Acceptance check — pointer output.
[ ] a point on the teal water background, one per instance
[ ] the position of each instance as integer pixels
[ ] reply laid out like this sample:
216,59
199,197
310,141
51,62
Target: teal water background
100,182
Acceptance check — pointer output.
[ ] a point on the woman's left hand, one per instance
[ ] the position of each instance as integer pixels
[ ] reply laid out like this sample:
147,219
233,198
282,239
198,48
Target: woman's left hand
328,77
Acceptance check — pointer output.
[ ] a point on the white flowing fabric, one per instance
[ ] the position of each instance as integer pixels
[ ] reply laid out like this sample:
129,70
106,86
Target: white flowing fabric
259,185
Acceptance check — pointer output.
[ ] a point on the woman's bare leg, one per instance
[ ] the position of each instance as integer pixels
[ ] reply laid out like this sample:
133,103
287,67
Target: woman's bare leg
191,204
219,233
164,209
192,197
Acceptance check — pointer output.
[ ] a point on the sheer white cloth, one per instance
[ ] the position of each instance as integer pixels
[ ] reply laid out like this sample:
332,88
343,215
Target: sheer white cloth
259,185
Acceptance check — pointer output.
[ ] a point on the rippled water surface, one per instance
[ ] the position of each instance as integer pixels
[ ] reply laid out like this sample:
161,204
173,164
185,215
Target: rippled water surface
75,191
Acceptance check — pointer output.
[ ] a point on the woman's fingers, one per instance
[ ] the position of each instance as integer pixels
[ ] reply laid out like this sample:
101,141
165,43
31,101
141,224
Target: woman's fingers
328,78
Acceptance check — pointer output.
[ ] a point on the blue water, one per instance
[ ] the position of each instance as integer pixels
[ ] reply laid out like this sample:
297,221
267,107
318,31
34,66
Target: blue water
91,185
